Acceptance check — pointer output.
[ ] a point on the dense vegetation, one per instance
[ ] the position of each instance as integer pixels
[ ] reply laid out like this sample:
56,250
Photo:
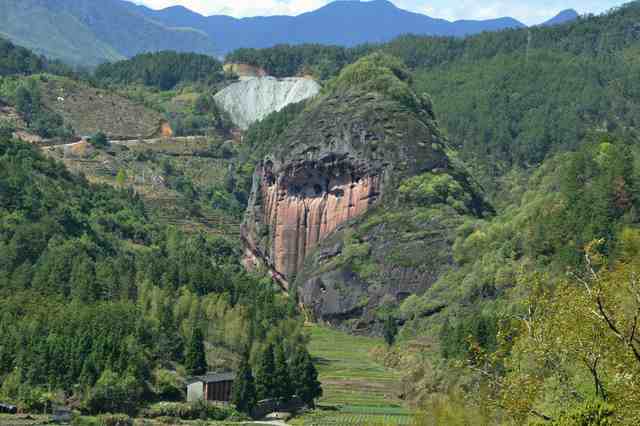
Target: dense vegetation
18,60
90,288
307,59
163,70
537,324
590,35
575,214
262,136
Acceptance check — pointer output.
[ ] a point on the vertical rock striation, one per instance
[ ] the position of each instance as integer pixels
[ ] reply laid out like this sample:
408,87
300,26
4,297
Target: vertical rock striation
303,206
332,166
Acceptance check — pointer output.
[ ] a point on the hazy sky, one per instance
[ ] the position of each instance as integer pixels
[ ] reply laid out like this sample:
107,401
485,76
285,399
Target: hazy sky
527,11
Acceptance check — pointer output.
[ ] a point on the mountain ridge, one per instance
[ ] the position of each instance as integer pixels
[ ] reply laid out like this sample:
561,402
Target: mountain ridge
352,23
564,16
87,33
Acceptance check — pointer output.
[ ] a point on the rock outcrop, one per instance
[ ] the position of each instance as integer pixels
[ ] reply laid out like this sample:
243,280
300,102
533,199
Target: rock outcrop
252,99
326,214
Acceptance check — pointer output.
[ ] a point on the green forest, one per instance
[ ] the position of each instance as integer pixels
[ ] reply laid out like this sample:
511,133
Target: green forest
538,323
91,287
534,321
162,70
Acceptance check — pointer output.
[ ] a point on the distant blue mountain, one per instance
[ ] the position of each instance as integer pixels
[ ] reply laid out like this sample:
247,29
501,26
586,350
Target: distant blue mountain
562,18
343,22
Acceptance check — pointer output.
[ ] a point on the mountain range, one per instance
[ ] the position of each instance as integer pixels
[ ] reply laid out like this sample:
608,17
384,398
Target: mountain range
86,32
343,23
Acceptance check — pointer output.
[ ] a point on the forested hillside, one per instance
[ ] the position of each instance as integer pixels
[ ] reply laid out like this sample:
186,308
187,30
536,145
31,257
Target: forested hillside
18,60
102,305
535,321
87,33
163,70
107,305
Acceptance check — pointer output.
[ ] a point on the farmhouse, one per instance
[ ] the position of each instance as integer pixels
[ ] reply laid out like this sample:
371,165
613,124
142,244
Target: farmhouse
210,387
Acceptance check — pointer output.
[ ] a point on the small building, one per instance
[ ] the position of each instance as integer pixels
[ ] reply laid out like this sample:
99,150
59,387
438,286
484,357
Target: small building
210,387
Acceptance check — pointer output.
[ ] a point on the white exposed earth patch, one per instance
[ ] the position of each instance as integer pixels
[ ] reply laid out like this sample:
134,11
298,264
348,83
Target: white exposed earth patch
252,99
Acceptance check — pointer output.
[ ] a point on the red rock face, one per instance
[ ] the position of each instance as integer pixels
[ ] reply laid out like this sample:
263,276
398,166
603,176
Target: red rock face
303,209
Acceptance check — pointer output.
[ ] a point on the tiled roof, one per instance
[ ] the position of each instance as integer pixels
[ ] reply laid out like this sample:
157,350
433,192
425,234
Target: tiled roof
213,378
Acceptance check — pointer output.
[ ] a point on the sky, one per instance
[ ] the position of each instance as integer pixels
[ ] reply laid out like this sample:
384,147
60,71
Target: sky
530,12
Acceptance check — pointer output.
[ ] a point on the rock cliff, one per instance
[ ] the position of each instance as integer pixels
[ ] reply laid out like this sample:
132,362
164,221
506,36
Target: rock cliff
328,214
252,99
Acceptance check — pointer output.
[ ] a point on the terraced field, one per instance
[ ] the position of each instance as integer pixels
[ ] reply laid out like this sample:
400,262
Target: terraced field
146,167
357,389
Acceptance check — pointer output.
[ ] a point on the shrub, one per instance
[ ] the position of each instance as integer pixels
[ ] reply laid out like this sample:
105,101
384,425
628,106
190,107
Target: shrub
115,420
26,397
6,131
430,188
113,394
593,413
167,386
202,410
99,140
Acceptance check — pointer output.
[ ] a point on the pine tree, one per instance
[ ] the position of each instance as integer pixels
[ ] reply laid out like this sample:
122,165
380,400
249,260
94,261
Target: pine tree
390,330
283,386
195,359
265,376
243,394
292,304
24,103
169,344
305,376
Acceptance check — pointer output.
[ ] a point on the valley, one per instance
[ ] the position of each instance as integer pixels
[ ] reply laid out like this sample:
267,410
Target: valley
420,231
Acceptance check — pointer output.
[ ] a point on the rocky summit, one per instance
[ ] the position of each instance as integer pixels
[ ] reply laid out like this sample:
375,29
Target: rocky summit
252,99
313,214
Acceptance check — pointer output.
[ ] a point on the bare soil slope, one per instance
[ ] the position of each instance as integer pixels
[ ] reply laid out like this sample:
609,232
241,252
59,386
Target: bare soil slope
89,110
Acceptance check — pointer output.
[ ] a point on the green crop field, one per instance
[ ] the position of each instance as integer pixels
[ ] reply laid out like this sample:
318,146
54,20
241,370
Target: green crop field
357,389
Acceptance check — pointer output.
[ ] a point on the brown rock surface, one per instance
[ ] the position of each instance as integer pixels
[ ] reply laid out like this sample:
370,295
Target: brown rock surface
302,215
332,167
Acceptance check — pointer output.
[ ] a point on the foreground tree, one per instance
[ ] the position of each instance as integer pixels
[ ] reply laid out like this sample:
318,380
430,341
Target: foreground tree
305,376
575,339
265,375
390,330
243,394
195,359
283,386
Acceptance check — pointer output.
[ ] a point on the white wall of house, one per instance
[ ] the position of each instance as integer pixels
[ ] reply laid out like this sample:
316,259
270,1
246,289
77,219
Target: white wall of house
195,391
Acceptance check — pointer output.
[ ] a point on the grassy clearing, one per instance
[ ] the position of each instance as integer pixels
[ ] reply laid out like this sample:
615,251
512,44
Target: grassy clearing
357,389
